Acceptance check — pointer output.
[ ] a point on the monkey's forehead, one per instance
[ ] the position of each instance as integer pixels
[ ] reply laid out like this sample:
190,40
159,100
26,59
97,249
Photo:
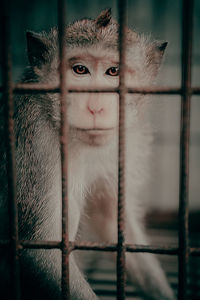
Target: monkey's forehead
93,53
85,33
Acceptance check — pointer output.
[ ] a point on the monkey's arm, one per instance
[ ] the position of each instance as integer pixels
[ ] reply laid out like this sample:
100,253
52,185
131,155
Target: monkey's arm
39,203
41,277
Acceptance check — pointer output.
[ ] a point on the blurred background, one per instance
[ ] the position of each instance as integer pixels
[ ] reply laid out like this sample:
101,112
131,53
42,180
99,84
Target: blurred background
162,20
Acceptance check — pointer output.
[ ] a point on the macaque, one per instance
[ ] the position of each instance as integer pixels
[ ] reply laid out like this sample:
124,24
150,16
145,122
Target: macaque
92,62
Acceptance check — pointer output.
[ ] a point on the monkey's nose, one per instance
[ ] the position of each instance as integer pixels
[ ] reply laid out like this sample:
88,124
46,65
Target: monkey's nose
94,110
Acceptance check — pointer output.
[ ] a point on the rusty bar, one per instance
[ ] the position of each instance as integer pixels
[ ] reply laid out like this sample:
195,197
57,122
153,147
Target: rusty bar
64,150
194,251
33,88
41,245
187,30
91,246
128,247
195,90
43,88
152,249
10,148
121,155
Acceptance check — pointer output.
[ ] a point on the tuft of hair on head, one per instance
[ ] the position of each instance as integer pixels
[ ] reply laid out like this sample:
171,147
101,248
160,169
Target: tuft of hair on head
104,18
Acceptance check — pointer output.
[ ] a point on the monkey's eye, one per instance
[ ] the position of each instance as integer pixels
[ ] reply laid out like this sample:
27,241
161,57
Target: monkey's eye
113,71
80,69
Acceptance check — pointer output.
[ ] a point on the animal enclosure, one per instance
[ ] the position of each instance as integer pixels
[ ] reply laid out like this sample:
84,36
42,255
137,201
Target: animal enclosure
183,251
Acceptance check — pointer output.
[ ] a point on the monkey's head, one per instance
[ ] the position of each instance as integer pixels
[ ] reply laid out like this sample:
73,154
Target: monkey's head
93,62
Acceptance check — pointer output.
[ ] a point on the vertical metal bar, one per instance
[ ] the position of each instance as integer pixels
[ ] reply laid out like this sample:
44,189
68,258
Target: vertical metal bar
64,149
10,145
121,155
187,26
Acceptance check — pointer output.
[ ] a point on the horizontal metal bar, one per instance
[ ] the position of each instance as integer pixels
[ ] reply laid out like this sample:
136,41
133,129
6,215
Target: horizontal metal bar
108,247
128,248
194,251
95,246
196,91
110,293
34,244
152,249
41,245
23,88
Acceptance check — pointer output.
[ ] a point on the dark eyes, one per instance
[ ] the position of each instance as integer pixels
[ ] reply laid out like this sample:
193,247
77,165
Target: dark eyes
82,70
113,71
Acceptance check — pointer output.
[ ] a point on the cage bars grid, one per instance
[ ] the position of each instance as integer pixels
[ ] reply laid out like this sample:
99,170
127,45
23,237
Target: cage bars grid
183,258
185,91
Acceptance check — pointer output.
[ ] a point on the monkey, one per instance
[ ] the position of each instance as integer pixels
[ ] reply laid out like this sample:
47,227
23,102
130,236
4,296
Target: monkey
92,60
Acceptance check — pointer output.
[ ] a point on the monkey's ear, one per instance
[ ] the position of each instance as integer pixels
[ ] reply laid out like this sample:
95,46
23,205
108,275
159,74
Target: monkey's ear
104,18
155,55
38,47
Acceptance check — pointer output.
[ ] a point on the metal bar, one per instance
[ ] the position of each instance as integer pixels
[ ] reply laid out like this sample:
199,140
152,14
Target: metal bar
43,88
159,249
187,30
33,88
195,91
186,91
194,251
40,245
111,293
152,249
10,145
64,150
128,248
121,280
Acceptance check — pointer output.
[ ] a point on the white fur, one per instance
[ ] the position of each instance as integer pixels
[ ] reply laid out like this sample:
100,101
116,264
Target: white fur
93,173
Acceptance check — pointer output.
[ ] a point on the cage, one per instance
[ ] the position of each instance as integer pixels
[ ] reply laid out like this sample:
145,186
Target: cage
166,228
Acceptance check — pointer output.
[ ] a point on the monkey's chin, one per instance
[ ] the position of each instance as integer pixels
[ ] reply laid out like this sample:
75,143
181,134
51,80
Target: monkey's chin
95,137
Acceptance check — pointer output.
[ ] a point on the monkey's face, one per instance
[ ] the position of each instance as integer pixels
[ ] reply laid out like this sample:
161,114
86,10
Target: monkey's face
92,63
93,117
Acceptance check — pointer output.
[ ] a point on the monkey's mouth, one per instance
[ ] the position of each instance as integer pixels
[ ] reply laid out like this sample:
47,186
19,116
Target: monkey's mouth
96,131
94,136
